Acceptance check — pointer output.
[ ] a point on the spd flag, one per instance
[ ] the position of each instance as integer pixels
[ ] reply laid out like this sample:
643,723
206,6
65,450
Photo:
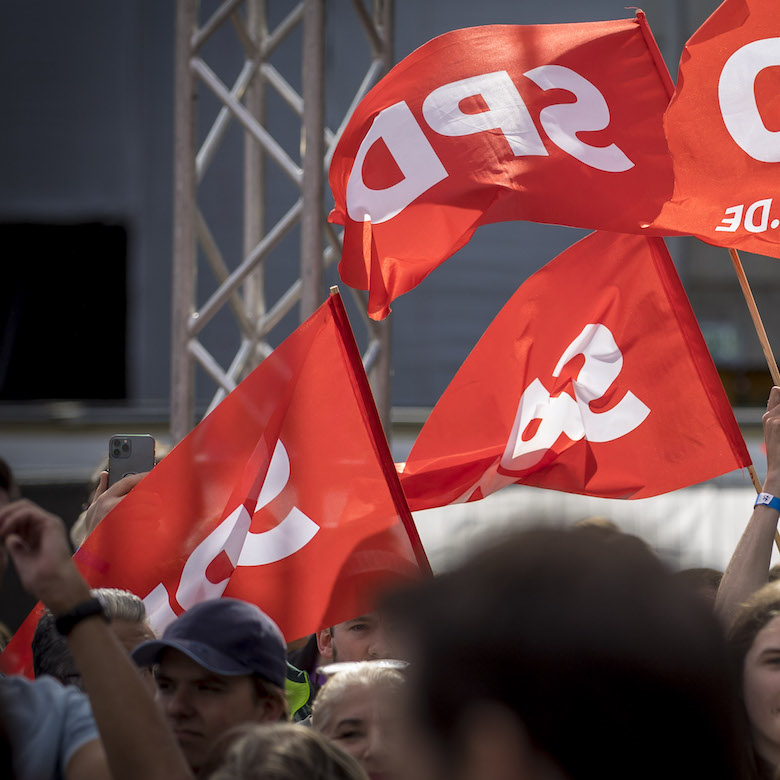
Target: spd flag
553,123
593,379
723,131
285,495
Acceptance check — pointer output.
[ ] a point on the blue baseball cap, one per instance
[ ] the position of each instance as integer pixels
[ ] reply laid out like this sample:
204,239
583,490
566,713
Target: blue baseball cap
226,636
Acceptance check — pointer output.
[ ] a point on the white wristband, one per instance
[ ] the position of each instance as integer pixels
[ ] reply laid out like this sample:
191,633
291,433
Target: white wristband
767,499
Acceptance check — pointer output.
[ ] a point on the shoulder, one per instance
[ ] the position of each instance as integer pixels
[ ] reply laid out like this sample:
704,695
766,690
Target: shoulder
47,724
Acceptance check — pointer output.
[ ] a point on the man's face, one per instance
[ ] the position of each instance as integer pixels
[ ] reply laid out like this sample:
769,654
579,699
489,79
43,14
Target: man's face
366,638
201,705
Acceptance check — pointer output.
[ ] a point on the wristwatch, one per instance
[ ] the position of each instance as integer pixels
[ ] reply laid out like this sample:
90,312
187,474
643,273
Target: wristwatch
767,499
67,622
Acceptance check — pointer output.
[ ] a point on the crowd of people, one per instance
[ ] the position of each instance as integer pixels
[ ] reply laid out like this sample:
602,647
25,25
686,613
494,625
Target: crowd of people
559,653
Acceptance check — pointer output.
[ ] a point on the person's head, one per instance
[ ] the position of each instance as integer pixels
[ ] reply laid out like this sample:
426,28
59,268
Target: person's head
221,664
281,752
754,640
597,524
364,638
359,710
558,655
127,617
704,581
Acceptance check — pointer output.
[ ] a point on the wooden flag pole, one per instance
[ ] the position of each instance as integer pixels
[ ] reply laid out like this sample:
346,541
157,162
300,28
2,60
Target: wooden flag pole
759,326
762,337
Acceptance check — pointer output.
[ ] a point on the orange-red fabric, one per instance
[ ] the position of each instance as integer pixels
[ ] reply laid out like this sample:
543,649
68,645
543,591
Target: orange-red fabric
311,396
681,427
723,131
604,81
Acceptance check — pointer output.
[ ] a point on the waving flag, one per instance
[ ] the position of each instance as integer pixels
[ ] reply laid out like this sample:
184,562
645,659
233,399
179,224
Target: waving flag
723,130
285,495
549,123
594,379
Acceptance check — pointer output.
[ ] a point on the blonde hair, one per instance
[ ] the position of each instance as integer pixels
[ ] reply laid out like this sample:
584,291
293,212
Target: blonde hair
362,675
277,751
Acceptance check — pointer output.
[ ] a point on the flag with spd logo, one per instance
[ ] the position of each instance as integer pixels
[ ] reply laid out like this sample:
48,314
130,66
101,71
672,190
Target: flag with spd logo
723,131
285,495
557,123
593,379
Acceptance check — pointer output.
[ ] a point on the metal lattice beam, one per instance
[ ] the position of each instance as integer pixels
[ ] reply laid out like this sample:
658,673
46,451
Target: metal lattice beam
240,282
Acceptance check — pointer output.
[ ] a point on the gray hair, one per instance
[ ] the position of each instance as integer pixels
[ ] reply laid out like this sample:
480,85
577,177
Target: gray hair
121,604
50,651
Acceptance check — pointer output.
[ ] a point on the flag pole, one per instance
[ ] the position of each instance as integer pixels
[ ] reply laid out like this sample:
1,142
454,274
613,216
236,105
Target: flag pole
765,346
380,439
757,323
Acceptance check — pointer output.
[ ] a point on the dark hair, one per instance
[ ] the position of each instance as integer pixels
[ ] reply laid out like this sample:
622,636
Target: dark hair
51,654
267,690
701,577
702,581
755,613
579,639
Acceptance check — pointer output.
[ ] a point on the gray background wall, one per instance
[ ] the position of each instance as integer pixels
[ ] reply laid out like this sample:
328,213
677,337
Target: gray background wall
86,136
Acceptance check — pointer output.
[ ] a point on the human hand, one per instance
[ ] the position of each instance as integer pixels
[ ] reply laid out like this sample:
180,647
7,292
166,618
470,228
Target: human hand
771,421
106,498
36,541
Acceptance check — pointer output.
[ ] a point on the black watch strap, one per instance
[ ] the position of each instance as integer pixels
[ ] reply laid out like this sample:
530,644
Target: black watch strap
67,622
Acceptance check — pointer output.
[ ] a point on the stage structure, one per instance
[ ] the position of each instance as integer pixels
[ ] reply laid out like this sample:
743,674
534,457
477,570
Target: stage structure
240,281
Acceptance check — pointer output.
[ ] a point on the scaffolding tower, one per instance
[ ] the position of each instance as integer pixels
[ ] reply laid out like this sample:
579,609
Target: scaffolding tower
240,285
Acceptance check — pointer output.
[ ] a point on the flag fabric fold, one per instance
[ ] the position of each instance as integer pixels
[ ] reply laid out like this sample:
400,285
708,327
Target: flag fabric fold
285,496
723,131
547,123
593,379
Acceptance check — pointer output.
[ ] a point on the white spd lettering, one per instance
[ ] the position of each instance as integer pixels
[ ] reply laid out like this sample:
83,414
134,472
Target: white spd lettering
419,164
232,541
506,113
737,99
589,112
755,218
573,417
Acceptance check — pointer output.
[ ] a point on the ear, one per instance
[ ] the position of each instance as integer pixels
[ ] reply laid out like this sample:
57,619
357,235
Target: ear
495,744
271,709
325,644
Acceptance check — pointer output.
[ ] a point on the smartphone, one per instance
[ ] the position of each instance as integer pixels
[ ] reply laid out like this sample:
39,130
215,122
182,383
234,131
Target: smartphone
129,453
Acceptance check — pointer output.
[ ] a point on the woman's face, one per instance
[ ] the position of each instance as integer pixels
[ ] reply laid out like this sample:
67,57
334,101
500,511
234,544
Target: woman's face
364,722
761,690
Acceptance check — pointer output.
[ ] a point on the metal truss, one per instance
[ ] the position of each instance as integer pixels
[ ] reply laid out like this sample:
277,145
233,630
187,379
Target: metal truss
240,281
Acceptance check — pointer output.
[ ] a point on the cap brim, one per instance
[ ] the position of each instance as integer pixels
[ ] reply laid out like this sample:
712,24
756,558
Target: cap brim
149,653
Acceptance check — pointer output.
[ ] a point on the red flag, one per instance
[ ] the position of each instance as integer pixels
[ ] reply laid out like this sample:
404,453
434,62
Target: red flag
550,123
723,130
285,495
593,379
